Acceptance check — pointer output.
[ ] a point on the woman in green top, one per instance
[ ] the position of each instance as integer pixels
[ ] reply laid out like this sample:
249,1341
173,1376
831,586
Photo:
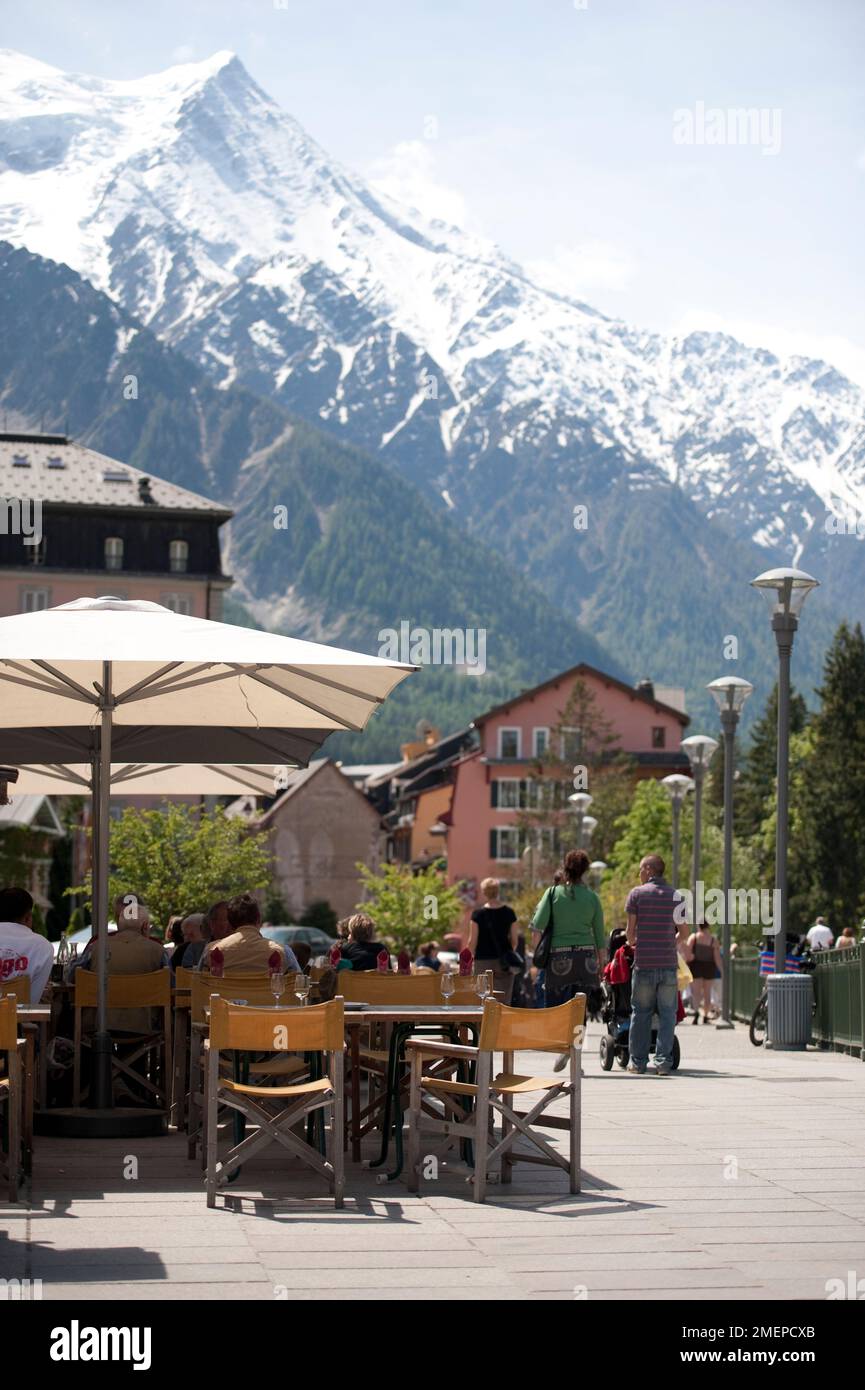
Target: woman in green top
577,956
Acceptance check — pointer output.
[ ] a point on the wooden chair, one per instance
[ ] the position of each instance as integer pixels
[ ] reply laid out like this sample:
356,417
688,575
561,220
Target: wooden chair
504,1030
183,979
255,989
12,1090
276,1110
376,1060
19,985
151,990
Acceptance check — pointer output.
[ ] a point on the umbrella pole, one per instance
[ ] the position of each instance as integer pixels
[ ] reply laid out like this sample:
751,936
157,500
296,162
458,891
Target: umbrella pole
101,1089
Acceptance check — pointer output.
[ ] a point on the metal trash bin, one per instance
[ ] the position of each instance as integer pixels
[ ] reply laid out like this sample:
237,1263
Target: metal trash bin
789,1023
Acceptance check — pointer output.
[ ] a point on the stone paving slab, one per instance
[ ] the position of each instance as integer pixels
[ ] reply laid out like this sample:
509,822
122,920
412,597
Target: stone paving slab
660,1215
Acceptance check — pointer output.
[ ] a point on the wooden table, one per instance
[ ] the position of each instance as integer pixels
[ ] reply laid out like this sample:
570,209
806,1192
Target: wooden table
404,1018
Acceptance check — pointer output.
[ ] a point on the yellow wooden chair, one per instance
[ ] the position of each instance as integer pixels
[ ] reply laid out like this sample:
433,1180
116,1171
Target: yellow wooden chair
276,1110
12,1090
183,979
254,989
377,987
19,985
504,1030
151,990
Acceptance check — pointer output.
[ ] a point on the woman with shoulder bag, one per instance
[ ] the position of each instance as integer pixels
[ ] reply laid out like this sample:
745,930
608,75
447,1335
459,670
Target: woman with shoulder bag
571,921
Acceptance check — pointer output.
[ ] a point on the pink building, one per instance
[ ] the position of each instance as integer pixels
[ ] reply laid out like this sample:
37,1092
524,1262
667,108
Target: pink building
482,836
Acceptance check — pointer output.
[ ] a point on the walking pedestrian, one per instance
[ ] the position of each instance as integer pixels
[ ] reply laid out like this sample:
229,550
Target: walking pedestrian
654,930
703,954
577,946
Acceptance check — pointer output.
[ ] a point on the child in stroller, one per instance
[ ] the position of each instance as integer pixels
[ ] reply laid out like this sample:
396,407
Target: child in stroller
616,1011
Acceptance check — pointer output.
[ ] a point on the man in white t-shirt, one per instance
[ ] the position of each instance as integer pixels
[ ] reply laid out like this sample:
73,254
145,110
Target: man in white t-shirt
22,950
820,938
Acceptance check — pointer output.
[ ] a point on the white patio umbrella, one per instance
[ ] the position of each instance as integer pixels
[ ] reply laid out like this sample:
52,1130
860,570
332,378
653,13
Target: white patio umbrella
149,779
129,664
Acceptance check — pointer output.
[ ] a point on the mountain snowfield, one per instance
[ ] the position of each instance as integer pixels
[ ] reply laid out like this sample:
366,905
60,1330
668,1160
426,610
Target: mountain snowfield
210,215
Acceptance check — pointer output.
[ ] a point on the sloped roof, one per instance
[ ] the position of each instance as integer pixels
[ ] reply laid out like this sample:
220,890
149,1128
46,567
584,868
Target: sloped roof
583,669
297,778
60,472
33,812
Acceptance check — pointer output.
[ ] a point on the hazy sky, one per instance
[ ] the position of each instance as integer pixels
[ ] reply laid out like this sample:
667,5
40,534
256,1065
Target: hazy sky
549,126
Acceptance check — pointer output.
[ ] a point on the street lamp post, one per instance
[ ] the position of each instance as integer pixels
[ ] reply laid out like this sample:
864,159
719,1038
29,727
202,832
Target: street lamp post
786,590
699,748
678,786
580,803
730,694
588,826
596,870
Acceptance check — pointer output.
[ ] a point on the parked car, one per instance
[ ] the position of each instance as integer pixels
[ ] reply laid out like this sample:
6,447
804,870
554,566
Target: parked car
317,940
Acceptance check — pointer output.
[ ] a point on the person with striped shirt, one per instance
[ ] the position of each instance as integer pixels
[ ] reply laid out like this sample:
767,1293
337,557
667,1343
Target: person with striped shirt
654,930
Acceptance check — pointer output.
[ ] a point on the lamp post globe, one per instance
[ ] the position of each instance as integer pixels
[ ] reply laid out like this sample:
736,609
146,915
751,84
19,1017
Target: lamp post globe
579,803
786,590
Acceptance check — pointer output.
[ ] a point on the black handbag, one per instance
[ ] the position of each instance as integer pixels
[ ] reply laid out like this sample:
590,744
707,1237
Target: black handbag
541,953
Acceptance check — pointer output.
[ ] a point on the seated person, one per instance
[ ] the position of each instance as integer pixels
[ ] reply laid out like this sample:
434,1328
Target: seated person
192,930
303,955
214,927
244,949
361,948
131,951
22,950
428,956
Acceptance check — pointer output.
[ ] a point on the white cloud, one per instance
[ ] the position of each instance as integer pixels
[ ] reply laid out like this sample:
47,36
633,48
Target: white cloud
581,269
833,348
183,53
407,174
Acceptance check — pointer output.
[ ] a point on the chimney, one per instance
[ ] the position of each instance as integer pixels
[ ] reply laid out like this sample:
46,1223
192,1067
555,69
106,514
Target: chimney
144,493
645,687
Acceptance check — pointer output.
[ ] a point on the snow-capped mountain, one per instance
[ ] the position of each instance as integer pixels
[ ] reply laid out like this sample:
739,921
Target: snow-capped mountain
193,200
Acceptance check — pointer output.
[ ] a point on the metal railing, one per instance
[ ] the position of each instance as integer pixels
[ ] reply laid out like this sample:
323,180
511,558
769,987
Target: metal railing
746,984
839,989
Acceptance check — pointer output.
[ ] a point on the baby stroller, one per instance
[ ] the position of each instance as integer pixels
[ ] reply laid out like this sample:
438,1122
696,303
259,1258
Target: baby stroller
616,1011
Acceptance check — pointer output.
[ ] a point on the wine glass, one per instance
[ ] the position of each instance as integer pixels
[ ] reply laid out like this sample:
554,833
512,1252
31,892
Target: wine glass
301,988
484,984
448,987
277,984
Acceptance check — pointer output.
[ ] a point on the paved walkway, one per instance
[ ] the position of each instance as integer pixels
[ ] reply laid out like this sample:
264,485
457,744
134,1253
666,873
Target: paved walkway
741,1177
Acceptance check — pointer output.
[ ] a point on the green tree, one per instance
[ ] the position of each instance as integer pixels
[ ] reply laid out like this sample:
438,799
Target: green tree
647,828
828,857
409,908
756,784
179,859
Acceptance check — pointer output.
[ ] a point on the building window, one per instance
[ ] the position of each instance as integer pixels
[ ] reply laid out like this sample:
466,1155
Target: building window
505,843
572,744
34,600
178,603
36,553
178,557
509,743
659,736
114,553
506,793
540,741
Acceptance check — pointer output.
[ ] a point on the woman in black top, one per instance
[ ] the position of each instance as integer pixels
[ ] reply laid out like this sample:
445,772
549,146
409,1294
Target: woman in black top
493,932
360,948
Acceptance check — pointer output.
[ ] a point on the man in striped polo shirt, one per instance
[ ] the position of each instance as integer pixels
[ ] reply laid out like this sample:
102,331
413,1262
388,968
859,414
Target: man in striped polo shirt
654,930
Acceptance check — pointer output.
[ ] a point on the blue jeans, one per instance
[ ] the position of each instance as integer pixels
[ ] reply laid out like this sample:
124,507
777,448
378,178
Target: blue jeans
653,992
